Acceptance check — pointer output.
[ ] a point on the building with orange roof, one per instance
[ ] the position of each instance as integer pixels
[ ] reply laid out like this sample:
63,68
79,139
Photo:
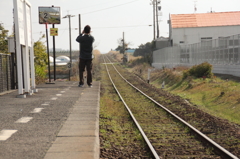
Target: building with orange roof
198,27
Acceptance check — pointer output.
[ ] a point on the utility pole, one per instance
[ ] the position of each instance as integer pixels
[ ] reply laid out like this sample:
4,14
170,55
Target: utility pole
195,6
157,8
123,44
70,43
153,3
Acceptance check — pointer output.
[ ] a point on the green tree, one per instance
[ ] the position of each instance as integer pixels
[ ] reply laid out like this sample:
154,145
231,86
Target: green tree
40,61
120,45
145,49
3,40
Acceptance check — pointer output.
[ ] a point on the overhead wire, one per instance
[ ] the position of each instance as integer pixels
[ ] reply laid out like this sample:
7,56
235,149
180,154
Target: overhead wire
109,7
91,6
121,26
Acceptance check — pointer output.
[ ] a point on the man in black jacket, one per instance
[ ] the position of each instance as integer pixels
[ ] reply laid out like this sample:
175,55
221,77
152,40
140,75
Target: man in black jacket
85,57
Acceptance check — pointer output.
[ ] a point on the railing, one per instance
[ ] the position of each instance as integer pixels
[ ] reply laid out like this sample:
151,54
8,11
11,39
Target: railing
223,53
5,72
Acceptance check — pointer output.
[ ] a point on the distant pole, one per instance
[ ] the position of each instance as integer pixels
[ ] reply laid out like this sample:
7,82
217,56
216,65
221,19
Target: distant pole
70,46
153,3
70,43
157,18
123,44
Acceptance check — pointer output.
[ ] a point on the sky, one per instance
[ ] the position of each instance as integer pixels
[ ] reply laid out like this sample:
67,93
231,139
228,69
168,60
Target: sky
109,19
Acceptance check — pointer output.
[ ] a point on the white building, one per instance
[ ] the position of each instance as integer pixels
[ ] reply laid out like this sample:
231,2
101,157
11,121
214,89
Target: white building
198,27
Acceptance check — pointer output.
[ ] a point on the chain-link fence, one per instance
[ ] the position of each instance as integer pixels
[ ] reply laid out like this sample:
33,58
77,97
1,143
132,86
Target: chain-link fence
223,53
5,72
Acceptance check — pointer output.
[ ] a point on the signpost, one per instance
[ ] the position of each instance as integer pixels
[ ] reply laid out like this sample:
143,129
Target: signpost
50,15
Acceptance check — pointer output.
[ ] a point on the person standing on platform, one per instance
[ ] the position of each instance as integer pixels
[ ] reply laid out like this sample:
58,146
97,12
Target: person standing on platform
85,57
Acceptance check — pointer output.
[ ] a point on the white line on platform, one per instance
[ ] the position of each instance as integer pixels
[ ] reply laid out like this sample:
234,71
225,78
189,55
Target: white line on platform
62,92
54,98
45,104
24,120
5,134
37,110
58,95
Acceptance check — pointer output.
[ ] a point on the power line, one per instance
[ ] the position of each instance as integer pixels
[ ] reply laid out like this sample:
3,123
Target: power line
122,26
92,6
110,7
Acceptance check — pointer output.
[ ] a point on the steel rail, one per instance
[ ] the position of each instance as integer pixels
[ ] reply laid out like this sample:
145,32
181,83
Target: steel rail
220,148
132,116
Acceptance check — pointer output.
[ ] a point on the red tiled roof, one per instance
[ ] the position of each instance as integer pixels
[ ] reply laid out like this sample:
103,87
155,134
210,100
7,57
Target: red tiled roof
205,19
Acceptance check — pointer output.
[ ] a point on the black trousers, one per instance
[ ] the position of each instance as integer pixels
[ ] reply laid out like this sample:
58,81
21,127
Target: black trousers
85,63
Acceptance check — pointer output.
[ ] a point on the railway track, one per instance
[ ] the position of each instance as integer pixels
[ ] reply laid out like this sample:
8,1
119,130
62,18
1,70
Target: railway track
166,134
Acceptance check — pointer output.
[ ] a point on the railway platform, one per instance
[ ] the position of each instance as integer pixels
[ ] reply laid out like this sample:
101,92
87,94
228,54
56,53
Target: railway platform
60,121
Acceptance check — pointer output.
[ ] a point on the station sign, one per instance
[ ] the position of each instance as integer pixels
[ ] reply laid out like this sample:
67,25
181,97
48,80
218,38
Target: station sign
49,15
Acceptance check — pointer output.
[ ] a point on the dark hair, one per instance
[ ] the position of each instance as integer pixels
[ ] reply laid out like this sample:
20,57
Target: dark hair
87,29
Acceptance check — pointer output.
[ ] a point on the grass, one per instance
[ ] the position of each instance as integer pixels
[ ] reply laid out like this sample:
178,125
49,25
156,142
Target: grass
216,96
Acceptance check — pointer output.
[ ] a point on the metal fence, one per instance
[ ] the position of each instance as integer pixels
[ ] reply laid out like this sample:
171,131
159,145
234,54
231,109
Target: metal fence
223,53
5,72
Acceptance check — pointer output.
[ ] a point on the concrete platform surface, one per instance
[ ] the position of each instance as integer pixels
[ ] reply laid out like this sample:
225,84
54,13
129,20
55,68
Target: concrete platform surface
60,120
79,136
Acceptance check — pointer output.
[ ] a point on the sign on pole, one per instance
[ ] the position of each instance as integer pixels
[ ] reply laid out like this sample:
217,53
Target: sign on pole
50,15
19,21
69,65
53,31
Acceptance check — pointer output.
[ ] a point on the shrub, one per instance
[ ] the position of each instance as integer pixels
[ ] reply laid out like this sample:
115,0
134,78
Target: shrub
40,61
202,70
40,74
185,74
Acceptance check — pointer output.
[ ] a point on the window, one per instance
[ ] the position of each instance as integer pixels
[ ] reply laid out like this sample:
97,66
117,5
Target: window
206,42
206,38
